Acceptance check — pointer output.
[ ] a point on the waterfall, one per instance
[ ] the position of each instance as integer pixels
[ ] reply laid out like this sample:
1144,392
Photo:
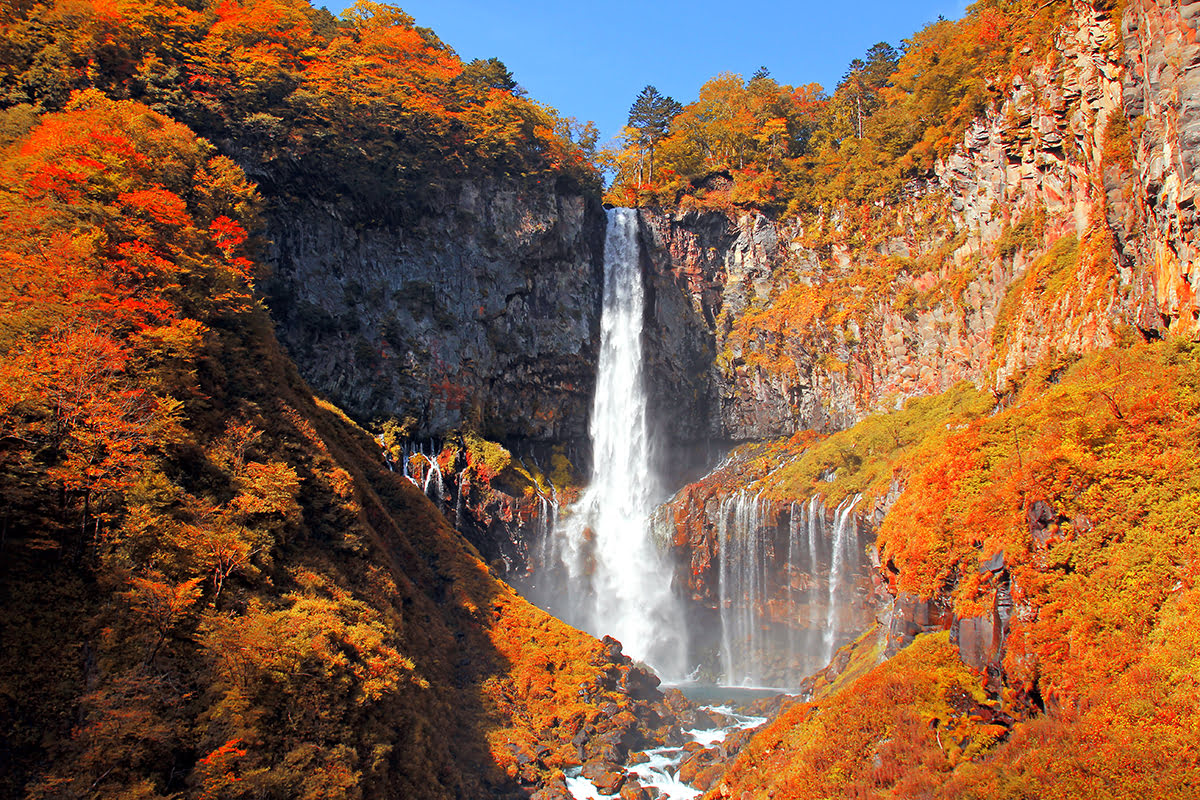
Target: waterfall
433,479
619,582
845,527
404,464
549,551
743,584
783,611
461,486
816,534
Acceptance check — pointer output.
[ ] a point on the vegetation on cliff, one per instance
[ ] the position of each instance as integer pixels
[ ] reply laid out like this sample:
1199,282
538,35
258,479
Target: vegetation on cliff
213,587
761,144
1085,484
367,108
898,731
869,459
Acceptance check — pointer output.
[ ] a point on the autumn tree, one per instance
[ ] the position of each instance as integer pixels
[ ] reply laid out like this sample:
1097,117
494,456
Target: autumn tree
370,106
750,128
488,73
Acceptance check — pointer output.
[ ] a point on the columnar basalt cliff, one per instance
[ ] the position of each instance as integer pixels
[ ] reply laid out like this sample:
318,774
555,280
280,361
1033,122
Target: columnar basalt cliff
483,313
705,268
1161,94
1050,229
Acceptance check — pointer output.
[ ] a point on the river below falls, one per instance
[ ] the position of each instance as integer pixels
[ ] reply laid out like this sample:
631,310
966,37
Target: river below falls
658,768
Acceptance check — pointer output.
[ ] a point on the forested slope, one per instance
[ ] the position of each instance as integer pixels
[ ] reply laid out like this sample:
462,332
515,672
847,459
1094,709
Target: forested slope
212,585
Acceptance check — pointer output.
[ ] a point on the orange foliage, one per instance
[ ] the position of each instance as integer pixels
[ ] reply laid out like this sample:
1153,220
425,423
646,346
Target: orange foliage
895,732
98,285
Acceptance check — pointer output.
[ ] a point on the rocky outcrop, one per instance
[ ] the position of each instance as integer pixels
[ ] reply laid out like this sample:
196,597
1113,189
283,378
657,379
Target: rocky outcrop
485,312
1161,95
1063,222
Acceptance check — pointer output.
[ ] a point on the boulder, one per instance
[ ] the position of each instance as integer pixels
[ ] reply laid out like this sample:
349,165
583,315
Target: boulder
608,776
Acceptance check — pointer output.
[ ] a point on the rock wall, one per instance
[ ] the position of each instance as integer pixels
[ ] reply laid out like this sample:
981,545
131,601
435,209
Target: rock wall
1161,95
705,268
984,281
484,312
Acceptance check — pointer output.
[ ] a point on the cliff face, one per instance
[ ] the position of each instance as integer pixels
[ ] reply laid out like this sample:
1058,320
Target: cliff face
1064,222
1161,94
485,311
704,268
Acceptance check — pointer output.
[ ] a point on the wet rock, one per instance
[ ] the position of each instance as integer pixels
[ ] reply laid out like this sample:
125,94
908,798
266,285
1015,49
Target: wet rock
640,684
838,665
611,654
605,747
736,740
607,775
1043,522
770,707
698,760
977,641
705,720
912,616
705,778
633,790
553,789
993,564
676,702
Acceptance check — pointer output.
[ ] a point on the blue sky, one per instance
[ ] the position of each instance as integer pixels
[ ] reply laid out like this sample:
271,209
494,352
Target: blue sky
589,60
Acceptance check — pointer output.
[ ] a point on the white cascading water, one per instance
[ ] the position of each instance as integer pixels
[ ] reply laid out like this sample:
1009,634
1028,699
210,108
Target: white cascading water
619,583
806,530
845,541
433,479
742,585
816,534
773,632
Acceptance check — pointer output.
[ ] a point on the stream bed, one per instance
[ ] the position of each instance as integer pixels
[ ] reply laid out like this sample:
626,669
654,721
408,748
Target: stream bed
725,708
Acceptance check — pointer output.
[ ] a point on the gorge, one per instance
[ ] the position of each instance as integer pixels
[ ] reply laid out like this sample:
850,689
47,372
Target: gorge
360,437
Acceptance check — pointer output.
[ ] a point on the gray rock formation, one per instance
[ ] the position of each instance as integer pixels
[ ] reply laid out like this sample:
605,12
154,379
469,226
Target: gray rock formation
486,311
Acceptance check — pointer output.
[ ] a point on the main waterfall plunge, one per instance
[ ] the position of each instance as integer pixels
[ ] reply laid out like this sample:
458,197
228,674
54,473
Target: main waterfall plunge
787,587
618,581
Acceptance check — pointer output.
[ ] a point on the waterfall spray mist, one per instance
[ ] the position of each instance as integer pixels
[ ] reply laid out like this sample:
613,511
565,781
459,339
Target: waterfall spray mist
619,581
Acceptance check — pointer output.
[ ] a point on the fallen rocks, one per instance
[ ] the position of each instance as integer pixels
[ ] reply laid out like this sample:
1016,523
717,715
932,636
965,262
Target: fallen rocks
608,776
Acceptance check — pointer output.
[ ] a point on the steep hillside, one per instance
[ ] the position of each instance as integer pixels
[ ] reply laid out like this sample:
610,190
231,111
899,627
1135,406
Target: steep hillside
213,586
434,235
1055,540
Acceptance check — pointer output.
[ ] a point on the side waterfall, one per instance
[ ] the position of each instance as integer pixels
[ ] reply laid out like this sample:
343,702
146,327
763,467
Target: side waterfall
619,583
786,587
844,525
